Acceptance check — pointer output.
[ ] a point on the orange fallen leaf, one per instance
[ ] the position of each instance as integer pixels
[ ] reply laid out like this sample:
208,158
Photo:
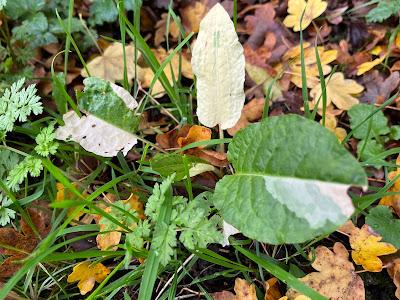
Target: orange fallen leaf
251,112
336,277
87,274
272,289
196,134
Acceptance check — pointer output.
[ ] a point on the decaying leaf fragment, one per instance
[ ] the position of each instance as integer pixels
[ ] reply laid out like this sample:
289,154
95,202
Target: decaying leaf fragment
87,274
219,65
393,200
335,278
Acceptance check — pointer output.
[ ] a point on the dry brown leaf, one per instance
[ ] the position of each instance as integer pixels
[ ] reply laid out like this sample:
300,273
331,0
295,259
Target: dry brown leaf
192,14
161,27
394,273
23,242
251,112
110,65
335,278
272,291
161,54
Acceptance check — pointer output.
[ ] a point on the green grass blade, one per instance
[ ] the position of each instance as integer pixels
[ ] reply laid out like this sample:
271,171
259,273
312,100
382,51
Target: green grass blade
282,275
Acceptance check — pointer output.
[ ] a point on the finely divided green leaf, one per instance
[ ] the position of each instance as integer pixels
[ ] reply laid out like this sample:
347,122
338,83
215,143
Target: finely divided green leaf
289,186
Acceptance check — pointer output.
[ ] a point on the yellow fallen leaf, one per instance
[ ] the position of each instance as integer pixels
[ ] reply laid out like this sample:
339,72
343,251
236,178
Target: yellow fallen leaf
336,277
312,9
66,194
87,274
110,65
331,124
291,64
161,54
367,246
365,67
339,91
393,200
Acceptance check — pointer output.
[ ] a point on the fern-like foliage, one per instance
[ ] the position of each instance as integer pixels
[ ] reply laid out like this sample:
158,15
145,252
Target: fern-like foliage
6,214
46,144
29,166
384,10
17,103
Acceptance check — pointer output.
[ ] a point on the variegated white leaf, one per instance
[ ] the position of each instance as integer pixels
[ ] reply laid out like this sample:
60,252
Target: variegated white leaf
219,65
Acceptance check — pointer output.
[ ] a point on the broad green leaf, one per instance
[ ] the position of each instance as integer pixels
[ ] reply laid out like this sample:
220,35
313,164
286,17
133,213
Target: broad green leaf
18,8
35,30
291,181
381,220
109,122
219,65
358,113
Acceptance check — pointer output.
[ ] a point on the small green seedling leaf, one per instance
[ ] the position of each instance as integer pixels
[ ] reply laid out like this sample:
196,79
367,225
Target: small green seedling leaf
291,184
359,112
381,220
